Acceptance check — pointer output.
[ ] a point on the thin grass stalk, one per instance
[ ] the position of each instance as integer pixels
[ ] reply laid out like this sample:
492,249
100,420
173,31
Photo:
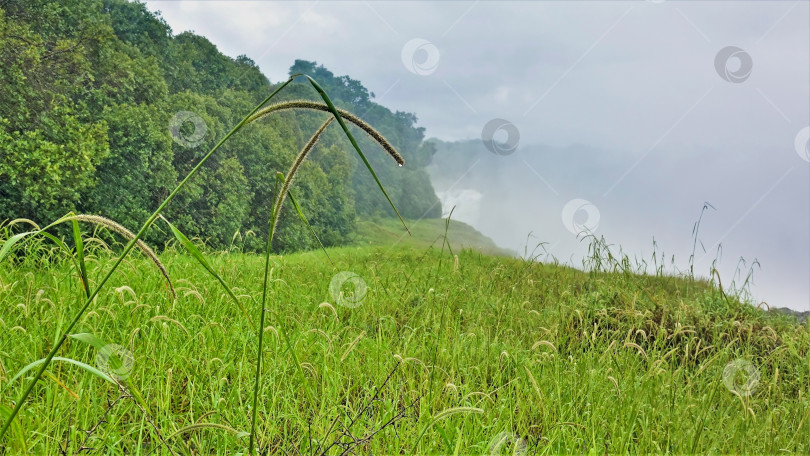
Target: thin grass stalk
262,314
360,123
285,187
123,231
130,245
334,111
290,177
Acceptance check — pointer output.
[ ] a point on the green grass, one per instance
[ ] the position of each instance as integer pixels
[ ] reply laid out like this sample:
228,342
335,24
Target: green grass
424,233
416,349
489,348
77,256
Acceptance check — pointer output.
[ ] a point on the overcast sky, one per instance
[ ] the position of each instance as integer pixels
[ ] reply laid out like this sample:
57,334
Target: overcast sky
631,114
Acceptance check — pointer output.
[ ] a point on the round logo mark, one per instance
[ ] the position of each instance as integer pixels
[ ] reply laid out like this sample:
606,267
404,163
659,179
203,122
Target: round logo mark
420,56
181,123
348,298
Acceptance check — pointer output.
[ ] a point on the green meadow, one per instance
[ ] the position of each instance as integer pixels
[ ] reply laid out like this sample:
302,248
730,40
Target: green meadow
329,309
440,350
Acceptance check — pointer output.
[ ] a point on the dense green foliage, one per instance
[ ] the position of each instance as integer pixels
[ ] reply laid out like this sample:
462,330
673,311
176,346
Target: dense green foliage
88,89
541,355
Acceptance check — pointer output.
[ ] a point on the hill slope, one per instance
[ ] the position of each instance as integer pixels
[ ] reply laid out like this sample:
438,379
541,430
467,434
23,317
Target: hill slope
425,233
483,355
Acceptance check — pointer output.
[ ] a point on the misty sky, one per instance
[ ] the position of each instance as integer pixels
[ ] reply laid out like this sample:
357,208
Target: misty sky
630,115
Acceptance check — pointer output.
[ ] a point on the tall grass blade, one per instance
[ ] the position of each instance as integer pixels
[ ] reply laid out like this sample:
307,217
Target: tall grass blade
274,216
58,345
280,323
16,431
77,240
90,339
304,218
99,344
356,147
10,242
195,252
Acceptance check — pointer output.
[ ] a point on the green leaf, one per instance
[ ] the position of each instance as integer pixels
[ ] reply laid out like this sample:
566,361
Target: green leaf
77,239
99,344
80,364
89,339
6,249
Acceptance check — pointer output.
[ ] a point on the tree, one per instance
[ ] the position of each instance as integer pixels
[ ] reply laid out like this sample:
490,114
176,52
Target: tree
45,170
138,173
87,91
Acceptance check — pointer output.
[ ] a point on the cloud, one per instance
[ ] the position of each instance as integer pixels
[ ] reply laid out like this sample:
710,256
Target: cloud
618,103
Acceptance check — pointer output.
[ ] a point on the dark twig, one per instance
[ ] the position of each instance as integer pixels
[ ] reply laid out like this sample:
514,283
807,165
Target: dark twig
354,441
367,438
103,420
351,423
64,450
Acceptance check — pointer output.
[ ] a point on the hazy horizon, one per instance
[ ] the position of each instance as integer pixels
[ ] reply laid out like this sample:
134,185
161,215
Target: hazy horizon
620,117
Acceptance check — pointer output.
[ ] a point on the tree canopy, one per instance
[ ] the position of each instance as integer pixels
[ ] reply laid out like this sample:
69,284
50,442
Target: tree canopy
88,90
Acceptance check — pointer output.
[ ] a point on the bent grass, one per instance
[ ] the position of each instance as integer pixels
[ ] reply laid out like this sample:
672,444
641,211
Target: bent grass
135,240
565,361
569,384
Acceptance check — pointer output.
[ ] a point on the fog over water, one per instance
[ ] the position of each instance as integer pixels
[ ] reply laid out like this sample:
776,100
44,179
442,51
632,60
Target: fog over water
619,117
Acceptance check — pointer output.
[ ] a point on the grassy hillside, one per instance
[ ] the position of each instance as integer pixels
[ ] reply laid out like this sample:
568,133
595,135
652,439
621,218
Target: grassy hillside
474,355
425,233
